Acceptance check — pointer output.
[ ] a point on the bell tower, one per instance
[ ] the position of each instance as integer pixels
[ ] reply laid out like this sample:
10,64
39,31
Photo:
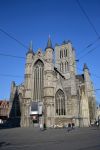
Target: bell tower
65,58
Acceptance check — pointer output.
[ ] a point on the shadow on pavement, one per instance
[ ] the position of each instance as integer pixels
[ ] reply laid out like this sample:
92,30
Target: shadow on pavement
3,144
95,147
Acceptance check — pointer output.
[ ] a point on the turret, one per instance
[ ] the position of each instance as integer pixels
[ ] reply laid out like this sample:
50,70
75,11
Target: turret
85,67
87,79
88,82
29,59
90,93
29,54
49,51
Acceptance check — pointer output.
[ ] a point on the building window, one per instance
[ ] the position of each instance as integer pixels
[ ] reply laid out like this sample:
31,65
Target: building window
61,67
60,53
38,80
66,67
66,52
60,103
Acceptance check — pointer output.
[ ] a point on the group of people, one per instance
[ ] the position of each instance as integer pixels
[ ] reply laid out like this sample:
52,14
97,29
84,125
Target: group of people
71,126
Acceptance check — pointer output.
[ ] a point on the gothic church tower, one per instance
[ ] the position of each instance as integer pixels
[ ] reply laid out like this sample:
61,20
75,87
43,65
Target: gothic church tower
65,97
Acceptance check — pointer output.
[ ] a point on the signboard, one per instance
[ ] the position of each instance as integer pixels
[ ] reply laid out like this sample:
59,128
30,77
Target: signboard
36,108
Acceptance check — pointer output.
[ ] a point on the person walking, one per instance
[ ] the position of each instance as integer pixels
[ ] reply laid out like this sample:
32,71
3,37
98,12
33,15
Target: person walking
73,125
69,127
41,127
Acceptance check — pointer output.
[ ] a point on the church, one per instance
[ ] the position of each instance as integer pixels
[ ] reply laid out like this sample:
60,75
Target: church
52,92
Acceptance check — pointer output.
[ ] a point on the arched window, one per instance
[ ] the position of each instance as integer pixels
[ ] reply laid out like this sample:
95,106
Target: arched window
60,54
38,80
60,103
62,67
67,66
66,52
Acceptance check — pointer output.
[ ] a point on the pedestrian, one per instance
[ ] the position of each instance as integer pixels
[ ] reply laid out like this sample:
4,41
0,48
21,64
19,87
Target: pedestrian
44,126
69,127
41,127
73,125
97,124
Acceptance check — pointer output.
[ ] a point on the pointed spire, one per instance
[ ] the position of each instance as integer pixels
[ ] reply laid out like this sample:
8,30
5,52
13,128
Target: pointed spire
85,67
30,48
49,43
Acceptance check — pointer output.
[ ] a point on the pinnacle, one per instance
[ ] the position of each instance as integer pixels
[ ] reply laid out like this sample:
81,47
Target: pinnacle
85,66
49,43
30,50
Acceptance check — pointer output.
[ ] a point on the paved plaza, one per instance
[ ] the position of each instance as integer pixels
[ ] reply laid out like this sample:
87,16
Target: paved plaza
50,139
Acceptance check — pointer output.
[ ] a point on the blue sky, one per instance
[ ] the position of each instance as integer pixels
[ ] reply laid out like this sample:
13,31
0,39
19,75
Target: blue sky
34,20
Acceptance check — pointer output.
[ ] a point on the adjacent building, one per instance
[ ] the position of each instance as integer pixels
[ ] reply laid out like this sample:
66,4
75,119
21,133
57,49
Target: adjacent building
51,83
98,113
4,110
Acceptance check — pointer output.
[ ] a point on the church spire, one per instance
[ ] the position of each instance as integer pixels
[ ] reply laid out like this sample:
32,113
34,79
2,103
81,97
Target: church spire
85,67
30,50
49,43
30,46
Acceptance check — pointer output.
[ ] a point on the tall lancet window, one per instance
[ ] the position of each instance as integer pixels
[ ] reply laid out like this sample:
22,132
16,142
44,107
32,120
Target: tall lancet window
38,80
60,103
66,67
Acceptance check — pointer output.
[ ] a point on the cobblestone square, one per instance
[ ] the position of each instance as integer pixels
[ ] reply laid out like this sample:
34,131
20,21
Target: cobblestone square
50,139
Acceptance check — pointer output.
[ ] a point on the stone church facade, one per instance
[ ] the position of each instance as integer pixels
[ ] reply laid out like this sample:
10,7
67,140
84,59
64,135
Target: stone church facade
51,79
